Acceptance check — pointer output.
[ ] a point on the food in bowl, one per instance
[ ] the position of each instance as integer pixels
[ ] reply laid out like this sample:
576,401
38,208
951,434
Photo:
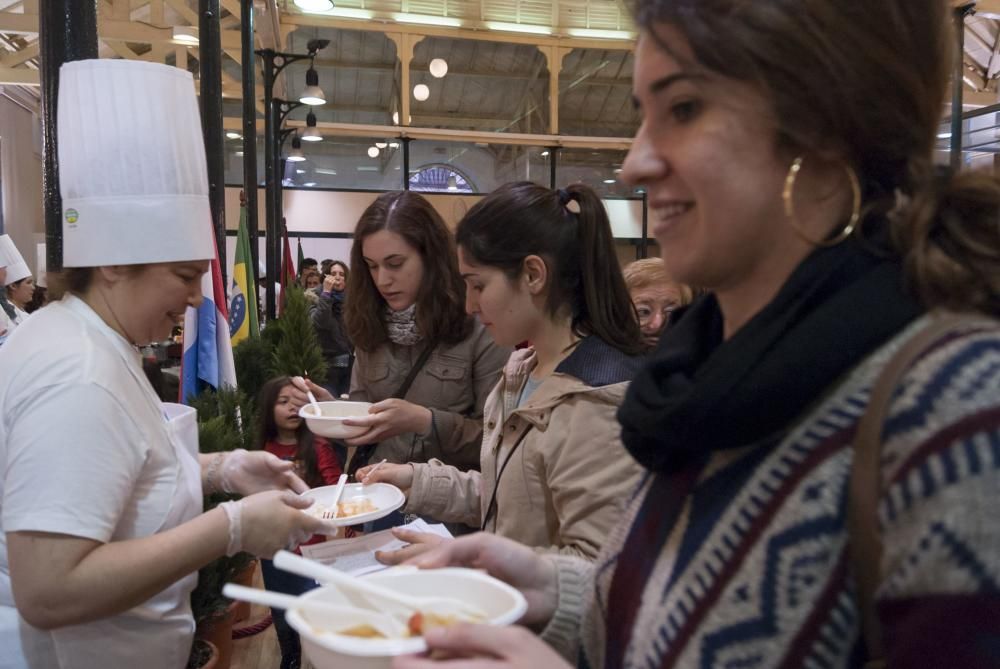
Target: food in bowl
327,645
354,507
417,624
330,421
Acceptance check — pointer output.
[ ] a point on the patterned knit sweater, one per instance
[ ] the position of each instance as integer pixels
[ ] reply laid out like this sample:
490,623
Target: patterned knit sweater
756,572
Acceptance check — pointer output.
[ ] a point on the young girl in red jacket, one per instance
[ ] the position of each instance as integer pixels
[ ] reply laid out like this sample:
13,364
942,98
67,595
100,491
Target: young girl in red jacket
281,432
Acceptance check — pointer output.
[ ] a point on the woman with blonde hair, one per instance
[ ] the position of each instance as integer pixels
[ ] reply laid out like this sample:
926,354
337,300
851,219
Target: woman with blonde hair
655,297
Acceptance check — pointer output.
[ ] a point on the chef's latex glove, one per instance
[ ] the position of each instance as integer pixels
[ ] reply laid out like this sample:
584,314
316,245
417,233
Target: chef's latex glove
267,522
247,472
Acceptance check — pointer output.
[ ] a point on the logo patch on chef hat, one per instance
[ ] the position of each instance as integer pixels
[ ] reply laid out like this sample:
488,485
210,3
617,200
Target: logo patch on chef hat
72,216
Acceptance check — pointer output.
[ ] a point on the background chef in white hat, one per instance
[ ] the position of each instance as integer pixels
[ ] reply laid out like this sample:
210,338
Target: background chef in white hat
7,313
101,523
19,284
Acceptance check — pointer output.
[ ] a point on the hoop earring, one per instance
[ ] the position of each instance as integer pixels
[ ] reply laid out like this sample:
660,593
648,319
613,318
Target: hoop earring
788,197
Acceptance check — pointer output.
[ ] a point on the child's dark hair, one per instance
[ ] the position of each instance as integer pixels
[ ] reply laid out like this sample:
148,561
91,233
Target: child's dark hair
576,243
267,430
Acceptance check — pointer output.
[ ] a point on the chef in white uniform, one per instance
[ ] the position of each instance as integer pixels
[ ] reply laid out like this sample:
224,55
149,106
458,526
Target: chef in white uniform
8,256
17,270
101,523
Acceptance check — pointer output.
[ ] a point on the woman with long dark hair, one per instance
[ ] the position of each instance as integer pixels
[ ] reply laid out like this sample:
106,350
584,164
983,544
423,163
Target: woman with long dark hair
327,315
425,363
540,266
786,150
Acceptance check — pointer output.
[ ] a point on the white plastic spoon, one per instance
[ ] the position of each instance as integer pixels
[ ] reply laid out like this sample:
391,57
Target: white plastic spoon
404,605
334,617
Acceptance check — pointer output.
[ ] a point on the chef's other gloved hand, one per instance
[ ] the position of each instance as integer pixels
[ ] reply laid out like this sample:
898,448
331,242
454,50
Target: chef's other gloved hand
248,472
264,523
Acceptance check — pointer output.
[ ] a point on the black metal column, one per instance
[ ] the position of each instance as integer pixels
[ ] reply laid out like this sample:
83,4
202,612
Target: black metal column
272,217
553,152
210,64
406,163
67,31
644,242
250,134
956,96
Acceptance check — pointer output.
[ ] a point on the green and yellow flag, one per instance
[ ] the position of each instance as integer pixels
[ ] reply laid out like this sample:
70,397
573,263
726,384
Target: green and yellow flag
243,296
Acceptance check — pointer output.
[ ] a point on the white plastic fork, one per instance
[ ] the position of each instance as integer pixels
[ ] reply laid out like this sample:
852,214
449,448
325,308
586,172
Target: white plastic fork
335,504
335,617
403,606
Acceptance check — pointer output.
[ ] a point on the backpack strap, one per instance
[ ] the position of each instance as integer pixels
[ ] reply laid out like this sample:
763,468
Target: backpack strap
864,491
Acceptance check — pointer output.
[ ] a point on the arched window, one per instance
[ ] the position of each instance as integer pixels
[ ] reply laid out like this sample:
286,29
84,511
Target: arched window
440,179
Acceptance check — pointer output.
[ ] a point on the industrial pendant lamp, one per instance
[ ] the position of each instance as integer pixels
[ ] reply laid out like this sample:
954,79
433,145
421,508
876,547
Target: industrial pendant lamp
311,133
312,94
296,155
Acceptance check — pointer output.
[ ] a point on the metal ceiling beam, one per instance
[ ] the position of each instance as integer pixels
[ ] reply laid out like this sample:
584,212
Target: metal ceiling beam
18,57
123,31
18,76
477,31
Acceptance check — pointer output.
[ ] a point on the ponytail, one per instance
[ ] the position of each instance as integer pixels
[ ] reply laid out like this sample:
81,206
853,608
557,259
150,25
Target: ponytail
569,229
606,307
949,238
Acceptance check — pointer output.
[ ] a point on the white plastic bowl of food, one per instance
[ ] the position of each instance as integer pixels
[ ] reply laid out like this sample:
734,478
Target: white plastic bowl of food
358,504
327,649
331,423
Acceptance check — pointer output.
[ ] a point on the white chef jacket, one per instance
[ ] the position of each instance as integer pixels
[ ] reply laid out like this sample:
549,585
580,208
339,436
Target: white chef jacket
85,450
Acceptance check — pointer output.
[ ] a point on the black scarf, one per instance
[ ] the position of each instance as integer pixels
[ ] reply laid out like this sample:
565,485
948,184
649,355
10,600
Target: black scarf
699,394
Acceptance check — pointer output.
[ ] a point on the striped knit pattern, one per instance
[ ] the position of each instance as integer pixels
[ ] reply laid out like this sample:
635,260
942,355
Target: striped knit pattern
767,582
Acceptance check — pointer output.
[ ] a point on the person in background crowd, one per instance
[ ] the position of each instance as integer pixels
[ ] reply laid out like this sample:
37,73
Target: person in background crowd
654,296
100,543
15,272
39,299
406,313
325,265
311,280
19,294
328,320
307,265
828,241
283,433
540,265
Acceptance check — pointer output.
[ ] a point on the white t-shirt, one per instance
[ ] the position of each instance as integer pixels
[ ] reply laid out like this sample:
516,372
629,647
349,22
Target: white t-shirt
84,451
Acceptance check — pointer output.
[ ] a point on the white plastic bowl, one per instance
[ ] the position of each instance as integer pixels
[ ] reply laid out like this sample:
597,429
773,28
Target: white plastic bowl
384,496
331,423
327,650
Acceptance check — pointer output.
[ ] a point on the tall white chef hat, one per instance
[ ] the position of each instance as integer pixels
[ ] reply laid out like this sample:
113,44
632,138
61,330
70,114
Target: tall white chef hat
11,258
132,169
41,262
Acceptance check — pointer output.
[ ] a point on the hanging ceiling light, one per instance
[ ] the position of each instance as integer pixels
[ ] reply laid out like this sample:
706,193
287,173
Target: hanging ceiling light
186,35
439,68
296,155
372,152
314,5
421,92
311,133
380,145
312,94
232,134
395,118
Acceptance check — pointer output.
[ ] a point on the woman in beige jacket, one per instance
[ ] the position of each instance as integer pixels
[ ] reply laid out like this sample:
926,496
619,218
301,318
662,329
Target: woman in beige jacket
554,472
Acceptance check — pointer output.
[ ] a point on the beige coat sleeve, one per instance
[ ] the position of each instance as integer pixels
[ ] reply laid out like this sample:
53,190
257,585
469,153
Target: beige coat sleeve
359,391
562,632
445,493
458,437
590,474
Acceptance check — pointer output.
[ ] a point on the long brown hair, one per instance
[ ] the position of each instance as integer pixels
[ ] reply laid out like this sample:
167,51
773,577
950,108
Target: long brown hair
267,430
863,82
522,219
441,297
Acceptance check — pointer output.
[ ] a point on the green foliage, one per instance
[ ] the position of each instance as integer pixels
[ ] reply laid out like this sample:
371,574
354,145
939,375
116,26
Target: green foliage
220,416
253,361
297,348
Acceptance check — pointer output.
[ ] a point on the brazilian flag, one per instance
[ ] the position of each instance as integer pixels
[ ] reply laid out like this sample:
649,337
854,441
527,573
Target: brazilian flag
243,297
